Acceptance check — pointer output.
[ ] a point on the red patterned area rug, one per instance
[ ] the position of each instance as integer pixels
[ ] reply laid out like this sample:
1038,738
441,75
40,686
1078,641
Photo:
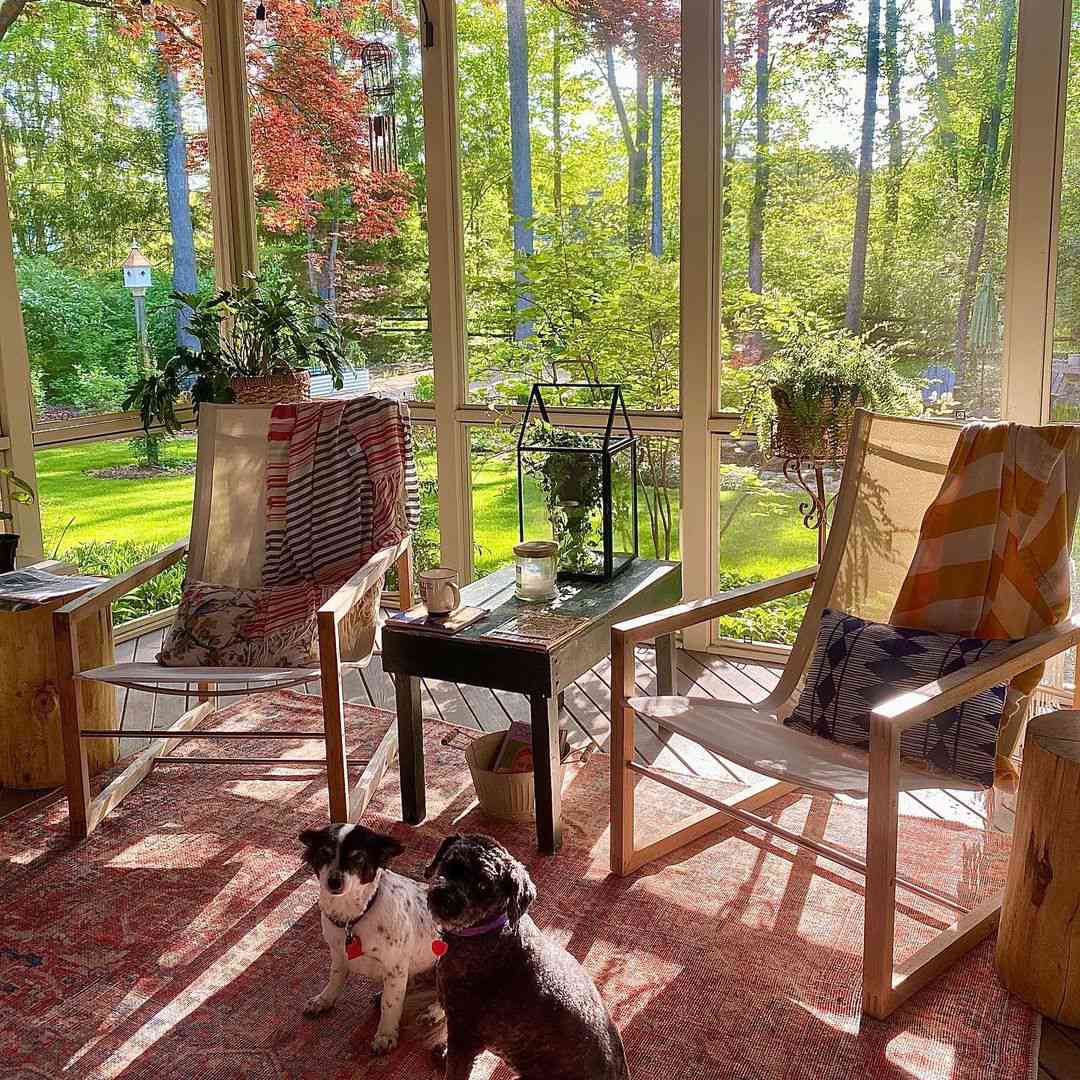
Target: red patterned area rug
182,940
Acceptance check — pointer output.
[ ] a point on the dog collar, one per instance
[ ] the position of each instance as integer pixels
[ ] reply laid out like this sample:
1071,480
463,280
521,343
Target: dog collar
484,928
348,924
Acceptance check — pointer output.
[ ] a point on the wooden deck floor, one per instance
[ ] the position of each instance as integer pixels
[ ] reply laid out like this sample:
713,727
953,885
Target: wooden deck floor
586,709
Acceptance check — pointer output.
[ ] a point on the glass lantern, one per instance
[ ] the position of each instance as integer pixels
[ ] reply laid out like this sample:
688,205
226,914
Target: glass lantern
579,488
537,566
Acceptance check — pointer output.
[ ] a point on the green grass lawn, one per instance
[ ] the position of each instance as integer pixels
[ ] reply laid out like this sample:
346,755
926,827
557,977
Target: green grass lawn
155,511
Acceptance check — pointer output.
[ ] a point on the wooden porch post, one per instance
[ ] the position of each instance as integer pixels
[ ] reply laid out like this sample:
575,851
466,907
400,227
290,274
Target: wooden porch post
16,412
232,188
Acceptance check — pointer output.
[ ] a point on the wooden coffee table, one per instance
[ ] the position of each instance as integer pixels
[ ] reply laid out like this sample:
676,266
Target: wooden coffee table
469,657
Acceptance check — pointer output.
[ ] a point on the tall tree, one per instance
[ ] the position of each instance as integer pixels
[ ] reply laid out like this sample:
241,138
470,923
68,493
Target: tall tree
656,243
990,156
178,192
944,74
893,131
521,193
755,272
556,114
860,239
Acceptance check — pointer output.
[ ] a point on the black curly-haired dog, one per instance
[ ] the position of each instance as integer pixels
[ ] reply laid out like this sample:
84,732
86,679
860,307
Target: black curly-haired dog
504,986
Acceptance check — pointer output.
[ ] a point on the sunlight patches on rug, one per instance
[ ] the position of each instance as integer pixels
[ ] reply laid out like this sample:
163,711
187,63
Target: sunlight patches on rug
930,1057
134,1000
269,791
216,977
159,851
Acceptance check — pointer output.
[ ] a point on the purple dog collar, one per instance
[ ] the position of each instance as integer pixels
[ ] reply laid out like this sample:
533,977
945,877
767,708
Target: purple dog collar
484,928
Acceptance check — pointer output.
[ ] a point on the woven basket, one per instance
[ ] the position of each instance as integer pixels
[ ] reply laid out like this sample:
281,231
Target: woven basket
504,796
282,388
825,443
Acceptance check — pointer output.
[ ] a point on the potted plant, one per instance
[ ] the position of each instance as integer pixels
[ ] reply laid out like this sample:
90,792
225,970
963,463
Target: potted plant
21,492
801,401
572,485
256,344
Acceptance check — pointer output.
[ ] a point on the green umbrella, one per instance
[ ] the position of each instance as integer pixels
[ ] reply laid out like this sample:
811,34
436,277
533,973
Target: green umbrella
983,333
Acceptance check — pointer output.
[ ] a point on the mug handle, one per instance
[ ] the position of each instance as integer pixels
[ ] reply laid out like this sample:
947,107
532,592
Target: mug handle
457,595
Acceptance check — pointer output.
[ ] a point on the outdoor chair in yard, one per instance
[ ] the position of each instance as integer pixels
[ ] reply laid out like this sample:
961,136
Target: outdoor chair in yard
894,470
299,512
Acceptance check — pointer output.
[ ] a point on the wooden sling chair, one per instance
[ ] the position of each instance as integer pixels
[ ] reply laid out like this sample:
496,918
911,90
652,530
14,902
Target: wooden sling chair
225,547
893,471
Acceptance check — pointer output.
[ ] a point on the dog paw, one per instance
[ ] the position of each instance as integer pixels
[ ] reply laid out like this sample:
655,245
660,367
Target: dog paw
383,1043
316,1005
431,1016
438,1056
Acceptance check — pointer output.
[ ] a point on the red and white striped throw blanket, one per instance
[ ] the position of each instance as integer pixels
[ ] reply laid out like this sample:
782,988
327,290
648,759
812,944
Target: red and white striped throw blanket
994,553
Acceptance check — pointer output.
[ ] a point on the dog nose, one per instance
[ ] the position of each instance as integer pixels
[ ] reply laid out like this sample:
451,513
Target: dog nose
334,882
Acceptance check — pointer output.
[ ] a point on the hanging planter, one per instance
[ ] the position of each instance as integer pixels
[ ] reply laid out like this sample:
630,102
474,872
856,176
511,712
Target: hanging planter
823,436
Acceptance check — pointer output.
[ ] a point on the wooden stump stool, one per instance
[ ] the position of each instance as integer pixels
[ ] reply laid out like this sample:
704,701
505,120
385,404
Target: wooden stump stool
31,746
1038,948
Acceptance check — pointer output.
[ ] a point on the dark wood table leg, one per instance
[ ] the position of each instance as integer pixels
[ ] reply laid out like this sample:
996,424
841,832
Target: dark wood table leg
665,665
547,774
410,749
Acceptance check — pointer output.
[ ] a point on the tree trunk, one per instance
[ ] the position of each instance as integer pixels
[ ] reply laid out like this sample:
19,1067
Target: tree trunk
987,182
728,132
639,161
657,245
894,132
182,232
556,113
10,10
857,275
755,275
945,69
521,201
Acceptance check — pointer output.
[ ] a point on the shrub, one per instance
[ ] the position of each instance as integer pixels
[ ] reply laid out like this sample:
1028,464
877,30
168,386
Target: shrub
777,622
112,557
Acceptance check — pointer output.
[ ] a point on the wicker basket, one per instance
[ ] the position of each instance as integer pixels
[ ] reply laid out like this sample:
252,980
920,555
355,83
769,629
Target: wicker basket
505,796
825,443
281,388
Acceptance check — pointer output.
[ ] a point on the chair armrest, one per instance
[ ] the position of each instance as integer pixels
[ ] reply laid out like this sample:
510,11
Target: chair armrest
915,706
356,588
697,611
76,610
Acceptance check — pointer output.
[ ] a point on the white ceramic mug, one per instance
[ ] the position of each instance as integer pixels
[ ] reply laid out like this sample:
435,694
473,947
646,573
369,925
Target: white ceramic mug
439,591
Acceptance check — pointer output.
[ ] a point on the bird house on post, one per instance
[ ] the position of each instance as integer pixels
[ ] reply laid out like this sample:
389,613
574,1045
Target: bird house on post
136,272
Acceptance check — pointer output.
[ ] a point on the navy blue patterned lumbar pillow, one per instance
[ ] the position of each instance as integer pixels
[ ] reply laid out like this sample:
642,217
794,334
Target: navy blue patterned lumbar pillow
858,664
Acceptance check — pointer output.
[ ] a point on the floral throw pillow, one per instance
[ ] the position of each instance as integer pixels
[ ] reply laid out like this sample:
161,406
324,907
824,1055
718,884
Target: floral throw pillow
858,664
217,626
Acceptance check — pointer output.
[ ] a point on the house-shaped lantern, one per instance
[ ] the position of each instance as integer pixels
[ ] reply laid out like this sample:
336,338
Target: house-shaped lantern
577,487
136,272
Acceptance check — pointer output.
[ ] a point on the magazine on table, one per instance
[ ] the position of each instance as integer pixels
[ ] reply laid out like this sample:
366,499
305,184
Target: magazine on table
537,629
39,586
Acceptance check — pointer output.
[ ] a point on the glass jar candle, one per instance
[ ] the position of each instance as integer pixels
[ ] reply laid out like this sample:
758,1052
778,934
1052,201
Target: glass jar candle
537,564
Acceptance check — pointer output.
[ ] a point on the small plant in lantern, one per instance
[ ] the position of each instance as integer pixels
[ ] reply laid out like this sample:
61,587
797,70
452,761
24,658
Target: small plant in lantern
587,481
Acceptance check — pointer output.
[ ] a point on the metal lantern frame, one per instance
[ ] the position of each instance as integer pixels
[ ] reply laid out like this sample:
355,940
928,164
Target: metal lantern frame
377,71
611,443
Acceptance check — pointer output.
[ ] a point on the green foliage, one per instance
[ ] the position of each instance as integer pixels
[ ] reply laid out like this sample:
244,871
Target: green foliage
111,557
17,490
820,376
271,327
776,622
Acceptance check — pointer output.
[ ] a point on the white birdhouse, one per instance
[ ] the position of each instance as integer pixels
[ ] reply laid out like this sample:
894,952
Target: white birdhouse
137,271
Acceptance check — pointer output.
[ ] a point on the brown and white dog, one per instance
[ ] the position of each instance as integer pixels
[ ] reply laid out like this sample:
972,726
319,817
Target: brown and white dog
376,922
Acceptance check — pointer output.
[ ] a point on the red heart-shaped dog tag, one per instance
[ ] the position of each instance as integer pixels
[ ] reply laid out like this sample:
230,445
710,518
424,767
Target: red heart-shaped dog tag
439,947
354,948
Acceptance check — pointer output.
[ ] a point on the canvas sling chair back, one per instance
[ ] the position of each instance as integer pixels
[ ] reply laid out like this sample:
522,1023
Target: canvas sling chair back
893,472
226,548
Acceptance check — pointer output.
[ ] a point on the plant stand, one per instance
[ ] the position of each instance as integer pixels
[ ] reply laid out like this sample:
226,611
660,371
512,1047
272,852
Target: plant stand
31,745
815,511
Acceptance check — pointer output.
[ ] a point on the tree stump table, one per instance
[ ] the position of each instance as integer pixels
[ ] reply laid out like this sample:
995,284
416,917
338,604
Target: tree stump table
31,746
1038,948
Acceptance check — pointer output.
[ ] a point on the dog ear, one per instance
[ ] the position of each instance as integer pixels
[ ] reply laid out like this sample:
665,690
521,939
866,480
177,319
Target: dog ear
312,839
385,848
432,866
521,891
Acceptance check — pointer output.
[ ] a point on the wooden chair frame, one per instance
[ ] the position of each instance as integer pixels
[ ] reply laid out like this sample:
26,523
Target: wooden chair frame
87,812
885,985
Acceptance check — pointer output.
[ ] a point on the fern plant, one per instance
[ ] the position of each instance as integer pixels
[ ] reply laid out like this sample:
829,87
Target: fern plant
818,381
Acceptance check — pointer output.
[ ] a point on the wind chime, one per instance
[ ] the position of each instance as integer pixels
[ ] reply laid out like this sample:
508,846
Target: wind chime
380,85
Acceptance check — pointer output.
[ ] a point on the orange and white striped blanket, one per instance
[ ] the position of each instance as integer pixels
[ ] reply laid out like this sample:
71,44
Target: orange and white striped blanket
993,556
